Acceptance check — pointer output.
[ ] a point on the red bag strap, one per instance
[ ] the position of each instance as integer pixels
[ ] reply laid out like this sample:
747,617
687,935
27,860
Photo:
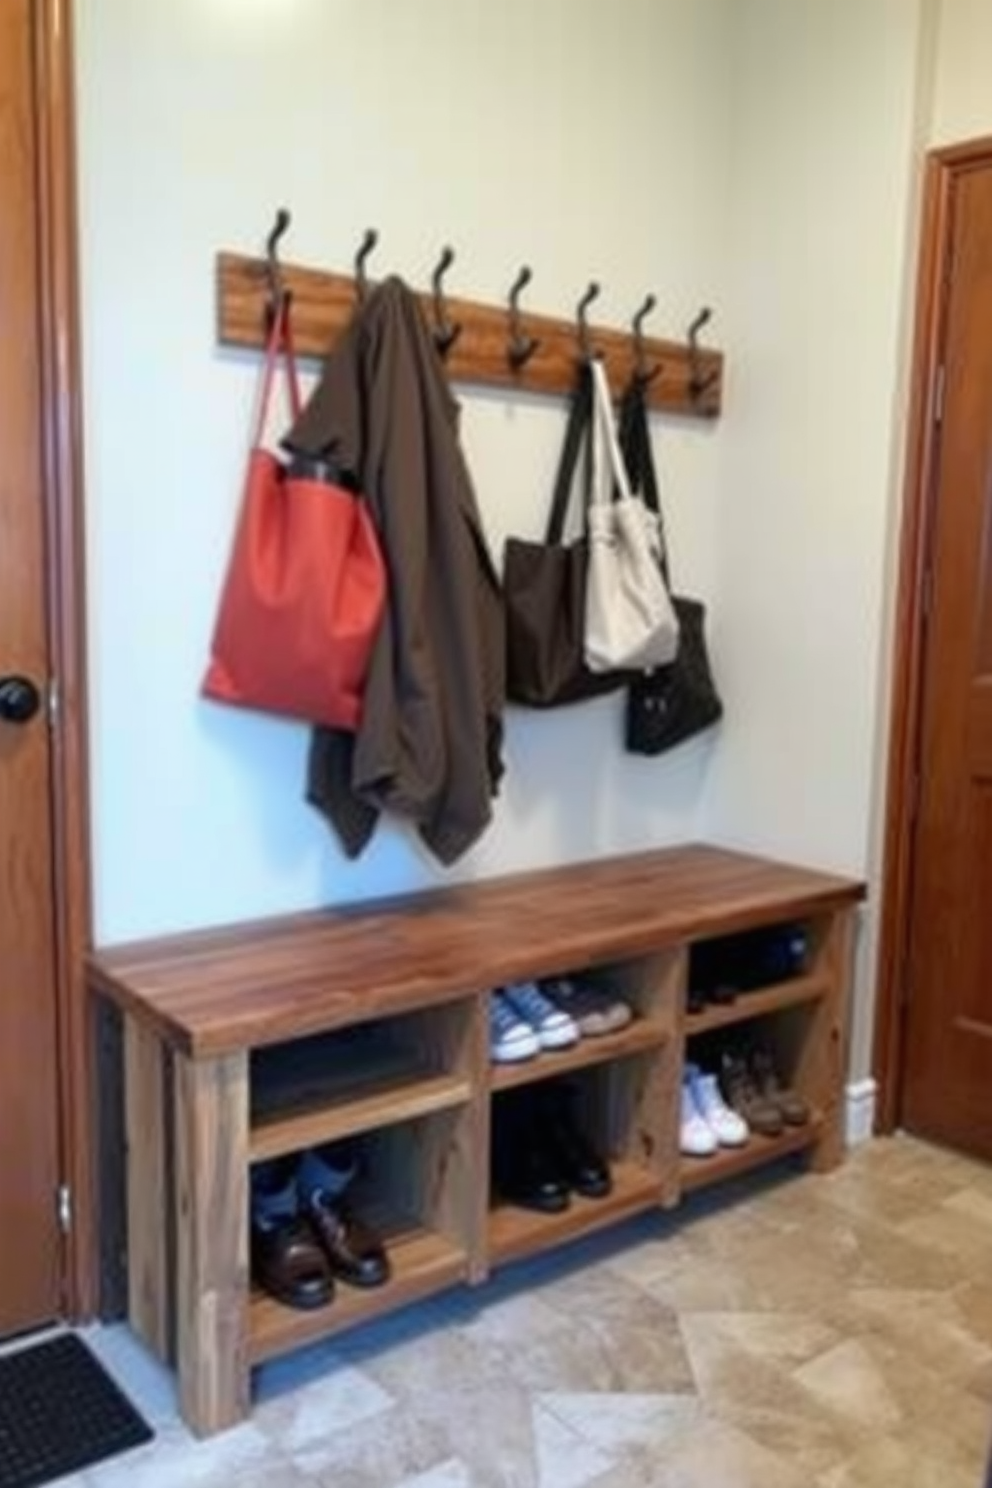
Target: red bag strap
280,341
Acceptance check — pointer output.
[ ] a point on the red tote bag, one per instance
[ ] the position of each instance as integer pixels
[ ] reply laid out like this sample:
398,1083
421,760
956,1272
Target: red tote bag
305,587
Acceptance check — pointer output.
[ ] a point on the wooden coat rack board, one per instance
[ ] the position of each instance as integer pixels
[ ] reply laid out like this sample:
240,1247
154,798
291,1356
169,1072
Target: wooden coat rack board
323,305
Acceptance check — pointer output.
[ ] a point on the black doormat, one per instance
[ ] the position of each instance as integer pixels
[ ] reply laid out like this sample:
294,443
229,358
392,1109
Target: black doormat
60,1411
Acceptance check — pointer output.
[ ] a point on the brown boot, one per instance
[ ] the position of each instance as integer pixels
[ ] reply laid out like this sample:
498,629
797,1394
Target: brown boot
791,1106
743,1096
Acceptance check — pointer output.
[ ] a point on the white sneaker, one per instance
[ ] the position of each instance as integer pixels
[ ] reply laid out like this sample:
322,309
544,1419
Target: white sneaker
554,1029
510,1038
696,1138
729,1129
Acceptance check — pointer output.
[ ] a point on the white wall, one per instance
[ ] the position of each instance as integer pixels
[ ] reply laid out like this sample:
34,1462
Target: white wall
962,100
822,183
759,154
584,139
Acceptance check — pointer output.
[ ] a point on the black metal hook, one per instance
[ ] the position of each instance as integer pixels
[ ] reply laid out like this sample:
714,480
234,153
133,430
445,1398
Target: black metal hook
446,332
642,371
522,347
700,382
585,343
368,242
279,295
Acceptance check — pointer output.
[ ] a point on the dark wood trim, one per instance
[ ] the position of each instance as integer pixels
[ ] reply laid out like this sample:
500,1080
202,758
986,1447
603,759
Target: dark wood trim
907,686
58,237
324,307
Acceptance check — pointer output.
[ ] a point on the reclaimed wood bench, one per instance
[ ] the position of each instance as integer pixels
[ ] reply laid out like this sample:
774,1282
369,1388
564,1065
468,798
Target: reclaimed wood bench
265,1038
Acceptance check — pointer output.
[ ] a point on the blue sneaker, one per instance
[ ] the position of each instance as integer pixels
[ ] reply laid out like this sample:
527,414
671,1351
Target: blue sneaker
554,1029
510,1038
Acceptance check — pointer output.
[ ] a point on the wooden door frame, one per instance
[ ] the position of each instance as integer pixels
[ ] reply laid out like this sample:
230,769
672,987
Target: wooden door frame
66,613
915,559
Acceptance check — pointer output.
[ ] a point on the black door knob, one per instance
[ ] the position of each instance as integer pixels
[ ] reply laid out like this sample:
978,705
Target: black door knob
20,699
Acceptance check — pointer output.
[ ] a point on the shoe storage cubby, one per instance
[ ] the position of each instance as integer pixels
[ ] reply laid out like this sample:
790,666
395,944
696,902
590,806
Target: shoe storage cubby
623,1108
384,1071
373,1028
651,986
416,1189
794,1019
727,974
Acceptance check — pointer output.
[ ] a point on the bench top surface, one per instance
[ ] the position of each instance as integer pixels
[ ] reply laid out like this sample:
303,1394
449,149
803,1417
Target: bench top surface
214,992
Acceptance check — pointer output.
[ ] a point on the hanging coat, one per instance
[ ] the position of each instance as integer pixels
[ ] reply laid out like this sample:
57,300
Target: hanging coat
429,743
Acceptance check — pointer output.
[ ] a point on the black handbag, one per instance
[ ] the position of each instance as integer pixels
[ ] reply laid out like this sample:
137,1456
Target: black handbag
544,586
671,704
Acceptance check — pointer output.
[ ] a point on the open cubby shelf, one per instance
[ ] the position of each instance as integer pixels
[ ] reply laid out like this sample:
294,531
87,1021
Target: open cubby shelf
642,1034
376,1102
514,1233
372,1025
758,1004
758,1151
422,1262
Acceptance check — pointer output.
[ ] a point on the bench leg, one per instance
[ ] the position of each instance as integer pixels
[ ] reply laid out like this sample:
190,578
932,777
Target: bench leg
147,1202
211,1120
825,1066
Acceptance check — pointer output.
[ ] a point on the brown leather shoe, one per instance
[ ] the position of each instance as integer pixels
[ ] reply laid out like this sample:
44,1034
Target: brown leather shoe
288,1263
743,1096
789,1103
354,1252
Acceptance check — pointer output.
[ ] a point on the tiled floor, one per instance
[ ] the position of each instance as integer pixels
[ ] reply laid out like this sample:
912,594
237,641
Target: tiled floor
806,1333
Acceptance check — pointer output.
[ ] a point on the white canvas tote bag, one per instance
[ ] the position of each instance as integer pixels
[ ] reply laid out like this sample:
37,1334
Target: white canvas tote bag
630,622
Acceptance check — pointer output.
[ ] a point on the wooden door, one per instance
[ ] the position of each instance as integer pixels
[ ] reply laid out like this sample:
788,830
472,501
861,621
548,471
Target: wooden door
947,1084
30,1250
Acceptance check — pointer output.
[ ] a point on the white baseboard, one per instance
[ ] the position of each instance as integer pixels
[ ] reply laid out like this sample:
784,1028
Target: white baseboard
859,1121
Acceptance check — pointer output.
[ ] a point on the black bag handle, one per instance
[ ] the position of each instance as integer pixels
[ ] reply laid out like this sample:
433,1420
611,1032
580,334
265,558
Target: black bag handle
577,431
635,442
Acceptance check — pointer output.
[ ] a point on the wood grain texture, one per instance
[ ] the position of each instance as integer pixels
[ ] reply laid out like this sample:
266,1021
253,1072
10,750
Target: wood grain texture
732,1162
669,999
422,1263
515,1233
324,304
759,1004
371,1105
61,381
907,672
214,992
475,1134
644,1033
809,1042
30,1165
948,1046
211,1121
822,1066
149,1283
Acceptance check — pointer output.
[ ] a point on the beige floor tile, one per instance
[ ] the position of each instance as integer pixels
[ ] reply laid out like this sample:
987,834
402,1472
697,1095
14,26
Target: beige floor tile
322,1409
963,1240
538,1348
244,1456
974,1302
563,1458
451,1474
889,1462
787,1338
720,1456
758,1393
382,1451
628,1426
946,1420
974,1202
848,1381
927,1326
637,1337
